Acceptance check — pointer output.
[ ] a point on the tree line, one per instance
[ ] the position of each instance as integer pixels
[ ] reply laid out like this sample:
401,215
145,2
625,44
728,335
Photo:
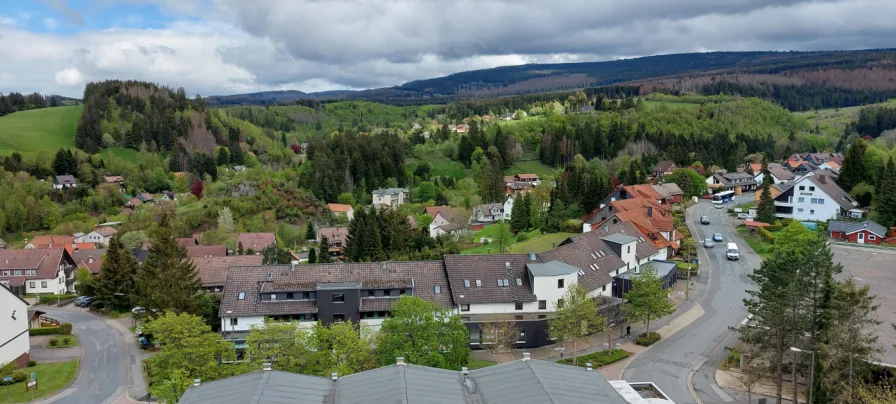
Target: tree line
15,102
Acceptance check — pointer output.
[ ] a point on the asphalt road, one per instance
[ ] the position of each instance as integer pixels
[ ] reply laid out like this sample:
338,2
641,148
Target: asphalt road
699,347
103,376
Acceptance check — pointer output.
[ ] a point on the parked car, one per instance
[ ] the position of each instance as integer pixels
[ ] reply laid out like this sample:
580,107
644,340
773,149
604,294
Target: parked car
717,237
743,216
708,243
85,302
138,310
79,299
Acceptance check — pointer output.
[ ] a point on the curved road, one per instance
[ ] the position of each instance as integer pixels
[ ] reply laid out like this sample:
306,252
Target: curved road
669,363
103,376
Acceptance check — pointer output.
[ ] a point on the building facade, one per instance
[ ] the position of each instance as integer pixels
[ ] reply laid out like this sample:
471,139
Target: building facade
14,345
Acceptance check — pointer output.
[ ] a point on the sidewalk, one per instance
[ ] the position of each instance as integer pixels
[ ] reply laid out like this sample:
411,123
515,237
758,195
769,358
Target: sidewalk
686,312
137,388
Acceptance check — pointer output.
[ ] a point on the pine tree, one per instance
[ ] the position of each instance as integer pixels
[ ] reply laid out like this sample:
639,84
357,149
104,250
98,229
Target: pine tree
115,285
854,170
519,220
310,232
766,209
323,255
168,280
312,256
239,248
886,195
371,246
353,244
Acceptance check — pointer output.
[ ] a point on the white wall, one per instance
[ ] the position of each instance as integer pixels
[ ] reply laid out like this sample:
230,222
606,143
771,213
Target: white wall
495,308
545,288
54,285
246,323
14,334
827,210
508,208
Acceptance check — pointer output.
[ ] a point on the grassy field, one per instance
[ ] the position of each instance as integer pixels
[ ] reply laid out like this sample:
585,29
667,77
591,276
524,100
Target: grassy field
441,166
540,243
536,242
50,378
759,245
531,167
832,121
61,341
129,155
39,129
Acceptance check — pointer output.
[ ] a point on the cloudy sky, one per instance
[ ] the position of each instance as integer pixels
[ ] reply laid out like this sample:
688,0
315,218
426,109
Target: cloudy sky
230,46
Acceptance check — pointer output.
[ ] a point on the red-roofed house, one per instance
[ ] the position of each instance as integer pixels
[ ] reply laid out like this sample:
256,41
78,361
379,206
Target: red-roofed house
71,248
255,241
338,209
206,251
646,206
38,271
50,242
213,270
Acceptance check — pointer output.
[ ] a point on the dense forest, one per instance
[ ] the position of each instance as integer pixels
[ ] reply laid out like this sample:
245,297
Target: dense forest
15,102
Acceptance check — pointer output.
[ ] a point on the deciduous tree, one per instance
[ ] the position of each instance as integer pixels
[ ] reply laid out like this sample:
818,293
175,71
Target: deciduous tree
576,317
647,300
424,334
225,220
499,335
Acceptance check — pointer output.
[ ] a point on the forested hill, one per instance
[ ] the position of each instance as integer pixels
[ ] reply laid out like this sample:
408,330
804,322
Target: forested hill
667,73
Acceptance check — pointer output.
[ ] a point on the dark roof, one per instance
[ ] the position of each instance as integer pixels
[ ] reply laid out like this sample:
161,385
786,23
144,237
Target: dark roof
213,270
82,259
663,268
829,187
852,227
256,241
619,238
140,255
200,251
663,166
487,269
422,275
186,241
780,172
66,180
46,261
517,382
592,255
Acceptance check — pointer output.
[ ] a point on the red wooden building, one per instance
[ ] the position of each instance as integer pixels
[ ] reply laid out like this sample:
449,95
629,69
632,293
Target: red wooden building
867,232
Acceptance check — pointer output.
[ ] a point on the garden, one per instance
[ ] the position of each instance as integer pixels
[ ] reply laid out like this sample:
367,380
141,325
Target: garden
598,359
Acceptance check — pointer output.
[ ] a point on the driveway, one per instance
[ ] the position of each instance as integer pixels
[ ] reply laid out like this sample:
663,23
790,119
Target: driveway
104,373
698,348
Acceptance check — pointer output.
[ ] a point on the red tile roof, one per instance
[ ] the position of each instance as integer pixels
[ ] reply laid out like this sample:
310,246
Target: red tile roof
80,246
434,210
338,207
256,241
186,242
642,191
52,241
200,251
213,270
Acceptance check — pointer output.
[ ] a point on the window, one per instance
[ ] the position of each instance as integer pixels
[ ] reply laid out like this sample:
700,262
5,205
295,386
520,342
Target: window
811,188
466,283
234,321
812,211
629,250
289,296
801,200
475,337
478,283
438,288
464,319
542,305
338,317
401,292
603,288
338,298
518,306
273,296
43,284
559,283
872,237
465,307
520,339
31,285
800,209
802,188
241,296
542,316
519,282
371,293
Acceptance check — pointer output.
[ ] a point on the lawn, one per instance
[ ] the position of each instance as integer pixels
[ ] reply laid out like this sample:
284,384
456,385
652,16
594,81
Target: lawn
760,246
39,129
599,358
479,364
63,341
536,242
124,153
50,378
540,243
441,166
531,167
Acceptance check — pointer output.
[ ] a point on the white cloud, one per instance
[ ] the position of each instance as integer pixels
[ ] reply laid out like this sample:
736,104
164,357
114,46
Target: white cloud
50,23
70,77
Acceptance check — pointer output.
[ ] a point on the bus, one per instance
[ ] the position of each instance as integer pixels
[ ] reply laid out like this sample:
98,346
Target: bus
723,197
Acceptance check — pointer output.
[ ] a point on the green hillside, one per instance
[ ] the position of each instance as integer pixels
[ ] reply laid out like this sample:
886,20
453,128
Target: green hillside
39,129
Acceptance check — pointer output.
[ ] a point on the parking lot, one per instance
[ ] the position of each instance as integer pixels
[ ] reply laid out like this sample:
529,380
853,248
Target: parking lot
875,267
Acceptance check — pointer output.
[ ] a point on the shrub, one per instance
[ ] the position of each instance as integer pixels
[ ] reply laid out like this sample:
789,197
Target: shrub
18,376
32,364
647,339
523,236
571,226
773,227
599,358
767,235
43,331
66,340
7,368
50,299
54,342
65,328
97,305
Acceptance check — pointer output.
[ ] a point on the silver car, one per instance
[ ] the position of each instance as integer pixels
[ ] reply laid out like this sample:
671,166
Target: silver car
708,243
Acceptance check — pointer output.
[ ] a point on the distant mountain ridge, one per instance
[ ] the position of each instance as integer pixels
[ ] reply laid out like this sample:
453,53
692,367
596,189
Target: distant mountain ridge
535,78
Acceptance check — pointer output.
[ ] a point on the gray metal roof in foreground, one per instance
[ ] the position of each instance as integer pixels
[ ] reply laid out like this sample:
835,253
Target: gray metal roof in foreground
551,268
619,238
517,382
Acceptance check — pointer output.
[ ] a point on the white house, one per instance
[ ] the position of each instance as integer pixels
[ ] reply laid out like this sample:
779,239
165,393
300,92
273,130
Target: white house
445,222
339,209
815,198
14,345
508,207
37,271
389,197
102,235
65,181
780,175
488,213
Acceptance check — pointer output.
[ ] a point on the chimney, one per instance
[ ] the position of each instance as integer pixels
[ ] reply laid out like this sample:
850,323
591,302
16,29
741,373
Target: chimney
197,382
90,259
399,360
526,356
334,376
588,366
650,211
266,366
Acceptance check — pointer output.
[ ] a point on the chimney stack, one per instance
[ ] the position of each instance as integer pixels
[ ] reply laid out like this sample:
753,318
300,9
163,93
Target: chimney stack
527,356
588,366
197,382
650,211
266,366
399,360
334,376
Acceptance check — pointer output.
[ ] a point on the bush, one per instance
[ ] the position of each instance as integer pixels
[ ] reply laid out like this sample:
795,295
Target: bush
44,331
50,299
18,376
767,235
97,305
7,368
571,226
65,328
32,364
66,340
598,359
54,342
523,236
647,339
773,227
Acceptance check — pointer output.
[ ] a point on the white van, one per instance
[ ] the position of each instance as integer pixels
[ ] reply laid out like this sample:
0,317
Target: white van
732,253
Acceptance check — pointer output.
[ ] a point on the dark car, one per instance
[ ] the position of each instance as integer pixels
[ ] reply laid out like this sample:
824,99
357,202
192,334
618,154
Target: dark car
704,219
85,302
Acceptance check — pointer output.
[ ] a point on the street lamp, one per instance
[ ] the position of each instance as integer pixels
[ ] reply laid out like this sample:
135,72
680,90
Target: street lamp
811,371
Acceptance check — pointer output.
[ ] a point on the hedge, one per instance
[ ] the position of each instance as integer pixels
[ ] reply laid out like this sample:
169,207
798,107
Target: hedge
647,339
767,235
44,331
599,358
773,227
18,376
48,298
65,328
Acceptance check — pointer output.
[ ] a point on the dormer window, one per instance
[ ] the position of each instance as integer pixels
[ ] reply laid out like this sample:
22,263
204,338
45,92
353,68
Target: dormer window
478,283
241,296
519,282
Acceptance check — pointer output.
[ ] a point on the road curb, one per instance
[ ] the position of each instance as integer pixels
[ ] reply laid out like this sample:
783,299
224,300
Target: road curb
80,359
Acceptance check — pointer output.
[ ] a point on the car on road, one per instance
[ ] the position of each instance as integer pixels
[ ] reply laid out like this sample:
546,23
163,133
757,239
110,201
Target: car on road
708,243
743,216
717,237
732,253
704,219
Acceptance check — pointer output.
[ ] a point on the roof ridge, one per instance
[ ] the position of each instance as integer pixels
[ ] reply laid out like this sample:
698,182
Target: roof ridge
402,381
262,383
534,373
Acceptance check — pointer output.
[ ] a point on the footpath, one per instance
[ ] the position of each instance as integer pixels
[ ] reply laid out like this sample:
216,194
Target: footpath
686,312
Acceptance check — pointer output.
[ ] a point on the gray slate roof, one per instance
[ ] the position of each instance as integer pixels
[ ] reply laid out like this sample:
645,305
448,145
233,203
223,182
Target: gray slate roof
488,269
663,268
619,238
551,268
518,382
829,187
852,227
390,191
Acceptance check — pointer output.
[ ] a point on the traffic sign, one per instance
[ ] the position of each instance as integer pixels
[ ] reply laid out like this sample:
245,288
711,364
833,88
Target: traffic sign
32,383
7,379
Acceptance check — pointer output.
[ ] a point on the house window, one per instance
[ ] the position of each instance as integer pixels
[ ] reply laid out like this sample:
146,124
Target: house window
241,296
802,188
603,288
811,188
519,282
478,283
475,337
273,296
464,319
466,283
338,297
31,285
518,306
629,249
465,307
812,211
542,316
521,338
371,293
801,199
438,288
234,321
518,317
872,237
542,305
338,317
43,284
559,283
799,209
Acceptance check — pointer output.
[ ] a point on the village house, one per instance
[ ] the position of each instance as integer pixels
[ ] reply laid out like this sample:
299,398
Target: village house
102,235
114,179
647,206
37,271
670,193
508,207
255,241
815,198
89,259
65,181
337,237
488,212
867,232
446,222
206,251
343,210
15,347
389,198
737,182
213,270
779,174
50,241
634,191
663,168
